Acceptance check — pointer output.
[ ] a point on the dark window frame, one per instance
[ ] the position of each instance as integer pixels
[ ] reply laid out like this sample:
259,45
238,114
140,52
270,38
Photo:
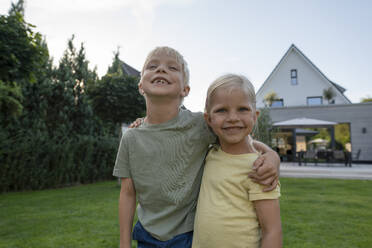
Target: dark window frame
278,100
294,77
314,97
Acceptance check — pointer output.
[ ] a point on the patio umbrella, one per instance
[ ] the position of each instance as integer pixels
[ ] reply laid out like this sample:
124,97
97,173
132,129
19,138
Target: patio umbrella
318,141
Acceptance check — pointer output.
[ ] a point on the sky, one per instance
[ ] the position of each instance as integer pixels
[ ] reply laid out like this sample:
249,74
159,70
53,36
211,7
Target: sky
248,37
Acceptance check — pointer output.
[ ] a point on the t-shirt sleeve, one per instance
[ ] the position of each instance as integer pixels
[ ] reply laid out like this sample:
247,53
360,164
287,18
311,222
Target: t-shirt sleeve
122,166
255,192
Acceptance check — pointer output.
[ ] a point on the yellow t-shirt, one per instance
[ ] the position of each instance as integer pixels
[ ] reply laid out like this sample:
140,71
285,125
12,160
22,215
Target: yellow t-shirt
225,215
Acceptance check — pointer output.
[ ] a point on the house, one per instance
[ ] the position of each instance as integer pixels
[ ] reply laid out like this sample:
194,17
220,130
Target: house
129,70
298,91
296,81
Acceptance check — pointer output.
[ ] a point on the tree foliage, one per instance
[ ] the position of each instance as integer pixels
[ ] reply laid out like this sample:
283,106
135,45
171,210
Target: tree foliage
366,99
115,97
329,94
49,135
22,55
263,129
270,98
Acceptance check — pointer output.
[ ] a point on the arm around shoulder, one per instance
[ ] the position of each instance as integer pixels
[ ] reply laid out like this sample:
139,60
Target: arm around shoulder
266,167
127,208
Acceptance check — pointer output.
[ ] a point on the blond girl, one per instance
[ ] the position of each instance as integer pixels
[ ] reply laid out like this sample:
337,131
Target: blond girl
233,211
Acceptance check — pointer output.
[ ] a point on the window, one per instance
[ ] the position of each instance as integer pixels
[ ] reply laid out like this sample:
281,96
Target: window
277,103
294,77
315,100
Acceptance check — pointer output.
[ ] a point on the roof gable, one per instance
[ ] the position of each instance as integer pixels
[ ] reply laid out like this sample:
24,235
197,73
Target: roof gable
128,70
308,61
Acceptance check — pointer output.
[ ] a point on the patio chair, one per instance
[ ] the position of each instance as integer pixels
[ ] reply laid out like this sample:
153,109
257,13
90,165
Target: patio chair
324,156
350,157
310,156
340,156
356,156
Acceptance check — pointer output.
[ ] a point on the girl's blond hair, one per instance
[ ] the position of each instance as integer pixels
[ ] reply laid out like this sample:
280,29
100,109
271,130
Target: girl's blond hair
230,81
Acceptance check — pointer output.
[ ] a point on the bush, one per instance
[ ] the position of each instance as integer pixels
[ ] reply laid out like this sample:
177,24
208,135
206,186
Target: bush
31,161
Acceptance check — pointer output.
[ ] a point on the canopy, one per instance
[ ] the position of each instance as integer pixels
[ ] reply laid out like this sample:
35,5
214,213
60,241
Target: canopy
304,122
305,132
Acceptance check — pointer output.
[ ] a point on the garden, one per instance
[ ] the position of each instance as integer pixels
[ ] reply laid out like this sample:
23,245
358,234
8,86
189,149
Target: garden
315,213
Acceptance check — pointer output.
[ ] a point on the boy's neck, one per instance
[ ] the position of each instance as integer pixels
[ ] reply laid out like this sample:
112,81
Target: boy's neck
158,112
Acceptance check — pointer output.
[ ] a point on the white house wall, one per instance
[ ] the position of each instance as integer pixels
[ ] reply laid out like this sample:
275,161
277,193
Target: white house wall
311,82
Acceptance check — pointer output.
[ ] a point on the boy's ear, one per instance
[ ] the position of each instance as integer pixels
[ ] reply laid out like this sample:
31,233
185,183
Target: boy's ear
140,90
186,91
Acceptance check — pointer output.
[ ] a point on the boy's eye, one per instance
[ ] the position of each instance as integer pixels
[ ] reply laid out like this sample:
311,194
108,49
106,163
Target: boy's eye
151,67
173,68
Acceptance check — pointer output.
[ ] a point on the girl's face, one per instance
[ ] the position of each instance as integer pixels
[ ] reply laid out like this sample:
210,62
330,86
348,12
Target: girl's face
232,118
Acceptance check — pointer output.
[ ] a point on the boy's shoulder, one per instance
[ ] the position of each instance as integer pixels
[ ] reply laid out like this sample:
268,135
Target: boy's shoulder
190,114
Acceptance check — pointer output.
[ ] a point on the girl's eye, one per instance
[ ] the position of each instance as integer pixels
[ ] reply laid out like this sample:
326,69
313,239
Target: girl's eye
151,67
242,109
173,68
221,110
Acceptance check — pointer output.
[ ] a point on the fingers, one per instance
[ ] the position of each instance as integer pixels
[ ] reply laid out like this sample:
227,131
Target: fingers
258,162
272,185
136,123
265,178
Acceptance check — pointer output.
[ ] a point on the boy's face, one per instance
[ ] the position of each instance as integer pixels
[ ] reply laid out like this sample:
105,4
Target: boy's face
163,77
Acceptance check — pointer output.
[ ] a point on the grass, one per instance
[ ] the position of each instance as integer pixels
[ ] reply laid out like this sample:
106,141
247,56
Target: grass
315,213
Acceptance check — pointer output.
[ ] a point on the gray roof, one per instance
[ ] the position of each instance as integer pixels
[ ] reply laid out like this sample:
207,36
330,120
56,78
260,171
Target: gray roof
129,71
304,122
305,132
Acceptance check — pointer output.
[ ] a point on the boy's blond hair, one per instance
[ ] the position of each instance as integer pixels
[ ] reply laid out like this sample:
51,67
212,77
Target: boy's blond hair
174,53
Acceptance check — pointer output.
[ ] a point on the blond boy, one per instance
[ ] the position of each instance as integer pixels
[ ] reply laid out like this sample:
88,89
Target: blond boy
161,162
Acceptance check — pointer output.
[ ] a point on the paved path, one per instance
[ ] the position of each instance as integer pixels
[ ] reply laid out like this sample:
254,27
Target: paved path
357,171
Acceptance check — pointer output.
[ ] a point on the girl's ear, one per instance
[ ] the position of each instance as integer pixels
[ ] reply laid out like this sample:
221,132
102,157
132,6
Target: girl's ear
185,91
207,118
256,116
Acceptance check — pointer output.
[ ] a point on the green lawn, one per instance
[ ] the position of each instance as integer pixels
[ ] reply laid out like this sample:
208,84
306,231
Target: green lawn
315,213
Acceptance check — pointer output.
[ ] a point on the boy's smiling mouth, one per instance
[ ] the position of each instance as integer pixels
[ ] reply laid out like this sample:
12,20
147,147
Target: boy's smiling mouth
160,81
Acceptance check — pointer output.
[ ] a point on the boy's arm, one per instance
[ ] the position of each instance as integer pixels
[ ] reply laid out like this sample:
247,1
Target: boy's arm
266,167
127,207
268,213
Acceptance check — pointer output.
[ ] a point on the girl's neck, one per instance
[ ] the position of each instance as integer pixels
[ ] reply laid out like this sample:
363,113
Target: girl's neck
158,112
245,146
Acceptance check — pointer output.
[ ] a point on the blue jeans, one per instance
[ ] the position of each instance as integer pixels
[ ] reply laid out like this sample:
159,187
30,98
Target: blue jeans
145,240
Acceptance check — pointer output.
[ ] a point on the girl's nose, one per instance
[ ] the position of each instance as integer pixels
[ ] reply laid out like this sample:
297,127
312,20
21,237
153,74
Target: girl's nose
232,117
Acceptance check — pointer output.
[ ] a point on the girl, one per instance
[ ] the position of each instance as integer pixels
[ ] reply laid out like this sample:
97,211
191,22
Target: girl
233,211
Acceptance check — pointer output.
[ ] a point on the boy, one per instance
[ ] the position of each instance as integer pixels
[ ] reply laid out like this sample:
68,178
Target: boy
160,162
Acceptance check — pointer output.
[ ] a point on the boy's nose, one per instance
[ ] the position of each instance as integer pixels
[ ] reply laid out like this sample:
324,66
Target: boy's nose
161,68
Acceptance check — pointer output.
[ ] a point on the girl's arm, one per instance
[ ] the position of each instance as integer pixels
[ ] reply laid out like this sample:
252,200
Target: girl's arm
127,207
268,213
266,167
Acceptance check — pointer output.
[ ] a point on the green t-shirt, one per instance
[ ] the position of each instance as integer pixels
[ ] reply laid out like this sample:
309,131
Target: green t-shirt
165,162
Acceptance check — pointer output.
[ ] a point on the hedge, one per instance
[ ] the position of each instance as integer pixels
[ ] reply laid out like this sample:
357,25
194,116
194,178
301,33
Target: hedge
32,161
